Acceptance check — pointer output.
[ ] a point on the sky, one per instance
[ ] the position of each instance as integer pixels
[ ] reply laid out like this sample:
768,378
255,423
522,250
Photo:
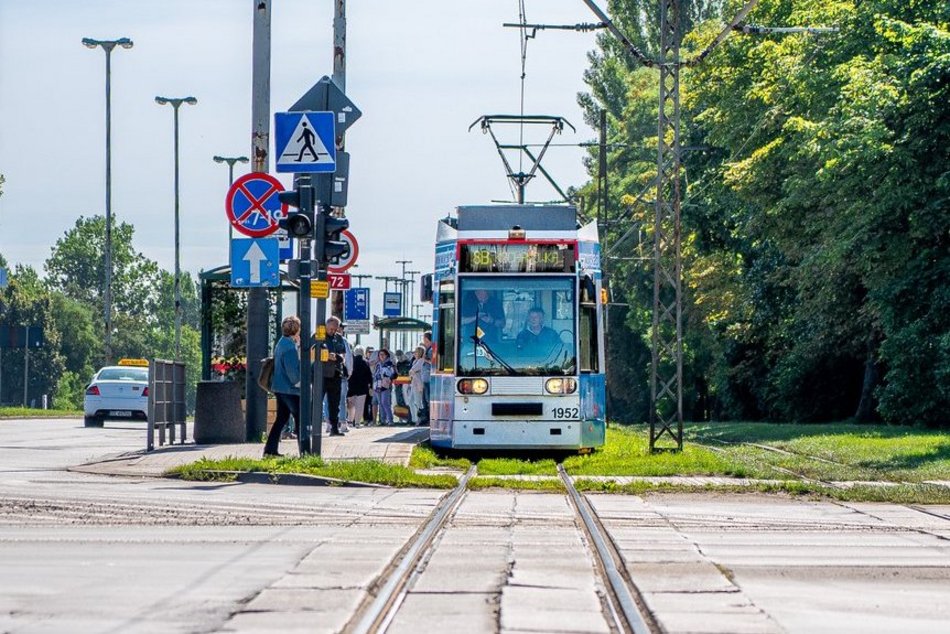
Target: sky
421,71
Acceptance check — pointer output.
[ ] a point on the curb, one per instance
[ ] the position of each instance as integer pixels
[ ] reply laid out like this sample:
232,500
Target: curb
293,479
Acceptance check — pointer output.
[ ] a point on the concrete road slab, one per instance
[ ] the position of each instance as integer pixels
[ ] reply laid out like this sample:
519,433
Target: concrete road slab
833,599
284,599
458,568
551,610
462,612
295,622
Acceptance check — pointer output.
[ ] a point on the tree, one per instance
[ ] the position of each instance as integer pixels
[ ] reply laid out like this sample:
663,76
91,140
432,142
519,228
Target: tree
75,268
815,224
24,303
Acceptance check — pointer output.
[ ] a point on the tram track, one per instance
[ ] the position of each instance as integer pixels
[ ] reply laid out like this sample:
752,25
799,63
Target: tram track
380,607
623,607
627,608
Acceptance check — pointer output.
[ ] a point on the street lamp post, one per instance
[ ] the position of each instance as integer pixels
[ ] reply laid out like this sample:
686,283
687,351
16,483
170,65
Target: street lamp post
230,160
107,46
176,104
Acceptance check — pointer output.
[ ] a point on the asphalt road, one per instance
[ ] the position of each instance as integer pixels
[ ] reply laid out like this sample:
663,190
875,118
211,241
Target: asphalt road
90,553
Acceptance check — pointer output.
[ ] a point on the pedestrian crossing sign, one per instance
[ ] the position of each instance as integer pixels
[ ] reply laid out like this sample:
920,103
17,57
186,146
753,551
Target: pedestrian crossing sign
305,142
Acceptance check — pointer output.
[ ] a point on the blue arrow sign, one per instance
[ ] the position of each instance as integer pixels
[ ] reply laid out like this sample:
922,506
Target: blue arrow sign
254,262
356,304
305,141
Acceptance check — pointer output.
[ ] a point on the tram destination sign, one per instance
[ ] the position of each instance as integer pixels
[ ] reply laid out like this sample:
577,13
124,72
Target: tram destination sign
517,257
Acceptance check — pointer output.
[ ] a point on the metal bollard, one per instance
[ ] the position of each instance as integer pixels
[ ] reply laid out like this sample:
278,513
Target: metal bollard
45,401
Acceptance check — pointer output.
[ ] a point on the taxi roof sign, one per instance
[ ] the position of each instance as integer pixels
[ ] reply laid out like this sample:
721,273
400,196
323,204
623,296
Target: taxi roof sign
142,363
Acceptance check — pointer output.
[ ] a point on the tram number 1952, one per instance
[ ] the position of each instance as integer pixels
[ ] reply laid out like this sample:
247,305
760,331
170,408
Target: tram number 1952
565,412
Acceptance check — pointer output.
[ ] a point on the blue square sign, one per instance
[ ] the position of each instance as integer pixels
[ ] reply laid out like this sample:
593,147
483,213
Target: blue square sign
305,141
255,262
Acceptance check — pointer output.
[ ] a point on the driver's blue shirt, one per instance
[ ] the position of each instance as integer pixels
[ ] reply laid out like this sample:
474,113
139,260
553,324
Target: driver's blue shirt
545,338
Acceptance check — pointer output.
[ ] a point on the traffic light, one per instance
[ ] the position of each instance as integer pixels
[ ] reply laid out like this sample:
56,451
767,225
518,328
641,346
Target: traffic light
299,222
333,247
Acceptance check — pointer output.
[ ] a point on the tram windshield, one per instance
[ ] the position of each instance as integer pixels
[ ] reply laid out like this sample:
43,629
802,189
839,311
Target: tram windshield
516,325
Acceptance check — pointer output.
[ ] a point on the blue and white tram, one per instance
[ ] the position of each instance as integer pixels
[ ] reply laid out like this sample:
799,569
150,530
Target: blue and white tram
518,360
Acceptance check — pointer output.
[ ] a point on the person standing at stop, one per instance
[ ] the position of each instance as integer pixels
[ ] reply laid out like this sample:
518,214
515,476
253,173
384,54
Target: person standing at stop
333,373
383,386
285,382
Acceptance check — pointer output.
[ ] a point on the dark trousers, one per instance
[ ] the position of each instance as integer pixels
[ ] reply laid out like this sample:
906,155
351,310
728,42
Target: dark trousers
424,413
332,388
287,405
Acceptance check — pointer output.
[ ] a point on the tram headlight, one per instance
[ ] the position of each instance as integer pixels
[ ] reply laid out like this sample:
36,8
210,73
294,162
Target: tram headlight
473,386
560,386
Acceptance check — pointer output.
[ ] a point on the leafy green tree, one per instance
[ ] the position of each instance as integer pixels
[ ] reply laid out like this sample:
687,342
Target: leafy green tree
24,303
75,268
815,223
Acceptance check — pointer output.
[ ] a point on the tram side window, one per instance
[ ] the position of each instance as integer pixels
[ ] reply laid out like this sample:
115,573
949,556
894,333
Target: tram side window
590,355
447,326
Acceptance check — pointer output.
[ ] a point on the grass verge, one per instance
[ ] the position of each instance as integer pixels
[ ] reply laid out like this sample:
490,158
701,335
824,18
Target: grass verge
900,494
840,451
29,412
627,453
369,471
488,482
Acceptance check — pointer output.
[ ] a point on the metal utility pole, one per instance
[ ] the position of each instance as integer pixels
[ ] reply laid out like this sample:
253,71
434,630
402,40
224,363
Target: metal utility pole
402,302
176,104
26,365
108,46
255,418
230,160
666,374
339,49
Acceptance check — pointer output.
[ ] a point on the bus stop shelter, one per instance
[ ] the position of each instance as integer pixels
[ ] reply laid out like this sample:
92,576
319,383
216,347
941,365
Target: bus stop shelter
218,280
402,327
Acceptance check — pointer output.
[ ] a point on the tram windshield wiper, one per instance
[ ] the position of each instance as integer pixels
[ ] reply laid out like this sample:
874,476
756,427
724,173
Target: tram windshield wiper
494,355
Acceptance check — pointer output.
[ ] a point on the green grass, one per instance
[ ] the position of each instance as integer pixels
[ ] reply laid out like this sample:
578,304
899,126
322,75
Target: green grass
627,452
516,466
369,471
901,494
29,412
858,452
425,457
482,482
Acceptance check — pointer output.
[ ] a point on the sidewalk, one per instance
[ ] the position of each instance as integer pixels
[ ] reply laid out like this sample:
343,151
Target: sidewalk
387,444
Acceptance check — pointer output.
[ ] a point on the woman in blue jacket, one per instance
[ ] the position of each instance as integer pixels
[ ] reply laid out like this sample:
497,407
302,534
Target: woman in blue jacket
286,382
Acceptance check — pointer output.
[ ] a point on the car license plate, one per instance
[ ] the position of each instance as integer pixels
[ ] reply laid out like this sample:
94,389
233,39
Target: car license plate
120,412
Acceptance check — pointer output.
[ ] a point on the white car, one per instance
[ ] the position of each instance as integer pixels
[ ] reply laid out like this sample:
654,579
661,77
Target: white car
118,392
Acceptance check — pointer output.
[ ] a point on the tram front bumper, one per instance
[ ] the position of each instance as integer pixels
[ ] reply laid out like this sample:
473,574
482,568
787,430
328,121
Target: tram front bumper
514,434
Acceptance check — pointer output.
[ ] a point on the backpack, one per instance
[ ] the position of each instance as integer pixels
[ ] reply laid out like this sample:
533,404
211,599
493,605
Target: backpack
266,377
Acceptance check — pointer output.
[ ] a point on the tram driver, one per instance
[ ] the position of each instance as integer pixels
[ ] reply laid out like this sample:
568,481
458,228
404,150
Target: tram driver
536,337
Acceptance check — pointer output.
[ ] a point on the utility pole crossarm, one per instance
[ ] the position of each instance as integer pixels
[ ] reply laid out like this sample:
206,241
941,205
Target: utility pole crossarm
630,46
736,21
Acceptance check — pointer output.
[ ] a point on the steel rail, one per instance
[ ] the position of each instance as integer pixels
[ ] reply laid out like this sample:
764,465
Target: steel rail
637,620
377,615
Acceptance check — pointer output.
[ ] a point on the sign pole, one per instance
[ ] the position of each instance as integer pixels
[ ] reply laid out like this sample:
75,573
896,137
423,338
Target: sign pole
304,434
321,275
257,332
26,364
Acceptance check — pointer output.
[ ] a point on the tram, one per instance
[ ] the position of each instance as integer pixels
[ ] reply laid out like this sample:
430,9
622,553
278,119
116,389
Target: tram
518,357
